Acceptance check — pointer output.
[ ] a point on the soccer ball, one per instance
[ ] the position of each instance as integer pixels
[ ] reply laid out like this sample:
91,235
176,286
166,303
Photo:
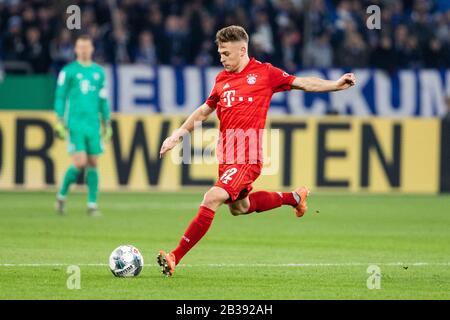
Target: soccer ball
126,261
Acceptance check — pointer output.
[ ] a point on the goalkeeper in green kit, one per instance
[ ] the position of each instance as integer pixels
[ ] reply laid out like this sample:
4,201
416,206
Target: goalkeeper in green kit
83,113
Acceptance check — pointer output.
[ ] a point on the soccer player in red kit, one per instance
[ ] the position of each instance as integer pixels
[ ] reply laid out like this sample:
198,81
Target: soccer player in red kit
241,98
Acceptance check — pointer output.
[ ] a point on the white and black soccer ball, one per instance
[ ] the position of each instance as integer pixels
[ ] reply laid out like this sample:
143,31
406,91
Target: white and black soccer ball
126,261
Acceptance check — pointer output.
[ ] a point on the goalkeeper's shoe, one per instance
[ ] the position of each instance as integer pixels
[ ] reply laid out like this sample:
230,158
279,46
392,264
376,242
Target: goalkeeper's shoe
301,207
167,263
60,205
93,211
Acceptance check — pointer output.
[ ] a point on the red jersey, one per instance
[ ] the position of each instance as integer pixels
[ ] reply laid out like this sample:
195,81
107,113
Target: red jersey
241,101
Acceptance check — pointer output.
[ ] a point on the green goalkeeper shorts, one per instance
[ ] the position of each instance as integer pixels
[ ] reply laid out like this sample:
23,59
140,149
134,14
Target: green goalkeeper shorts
84,141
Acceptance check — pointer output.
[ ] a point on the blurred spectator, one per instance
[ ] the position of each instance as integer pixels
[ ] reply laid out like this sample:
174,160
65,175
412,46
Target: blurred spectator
401,46
286,13
36,51
207,54
61,50
205,58
353,52
258,48
318,53
413,53
146,52
437,54
343,15
97,36
317,18
47,21
118,46
443,27
421,21
88,17
384,55
154,20
398,13
176,41
290,48
13,44
28,17
263,33
239,17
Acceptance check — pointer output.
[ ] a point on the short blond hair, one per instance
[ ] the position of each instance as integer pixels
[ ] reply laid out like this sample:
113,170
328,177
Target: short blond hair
231,34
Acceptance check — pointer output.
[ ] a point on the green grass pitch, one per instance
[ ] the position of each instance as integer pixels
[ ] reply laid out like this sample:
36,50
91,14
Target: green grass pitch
271,255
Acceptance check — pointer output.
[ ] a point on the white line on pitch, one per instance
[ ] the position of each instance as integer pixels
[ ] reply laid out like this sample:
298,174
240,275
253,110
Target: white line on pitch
235,265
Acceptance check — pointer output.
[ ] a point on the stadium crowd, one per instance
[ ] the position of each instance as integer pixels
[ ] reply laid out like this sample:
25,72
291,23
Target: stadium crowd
291,34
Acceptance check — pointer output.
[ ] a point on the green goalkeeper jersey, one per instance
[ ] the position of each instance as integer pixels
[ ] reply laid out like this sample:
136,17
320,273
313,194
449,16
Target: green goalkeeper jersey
81,97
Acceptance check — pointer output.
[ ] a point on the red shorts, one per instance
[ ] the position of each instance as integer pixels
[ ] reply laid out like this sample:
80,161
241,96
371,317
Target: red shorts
237,179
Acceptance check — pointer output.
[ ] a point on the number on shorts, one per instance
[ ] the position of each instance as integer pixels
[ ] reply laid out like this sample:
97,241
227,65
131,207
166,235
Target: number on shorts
227,175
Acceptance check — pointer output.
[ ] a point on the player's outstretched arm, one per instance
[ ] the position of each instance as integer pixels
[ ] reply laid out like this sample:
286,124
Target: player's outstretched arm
199,115
313,84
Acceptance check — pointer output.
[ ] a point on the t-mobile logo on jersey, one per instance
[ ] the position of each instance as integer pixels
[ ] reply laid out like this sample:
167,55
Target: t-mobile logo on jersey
230,96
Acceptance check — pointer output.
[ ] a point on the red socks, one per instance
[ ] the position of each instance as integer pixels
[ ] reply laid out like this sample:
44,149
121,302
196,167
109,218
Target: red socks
196,230
264,200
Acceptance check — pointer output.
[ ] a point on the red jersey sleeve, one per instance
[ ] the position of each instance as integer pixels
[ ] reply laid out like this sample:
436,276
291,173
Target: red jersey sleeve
279,79
213,98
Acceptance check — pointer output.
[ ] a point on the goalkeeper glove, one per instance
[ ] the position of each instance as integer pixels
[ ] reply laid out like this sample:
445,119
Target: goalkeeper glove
60,130
107,132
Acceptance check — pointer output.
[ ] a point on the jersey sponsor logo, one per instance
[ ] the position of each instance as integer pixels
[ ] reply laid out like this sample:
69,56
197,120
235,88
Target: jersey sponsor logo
84,86
251,78
229,96
226,86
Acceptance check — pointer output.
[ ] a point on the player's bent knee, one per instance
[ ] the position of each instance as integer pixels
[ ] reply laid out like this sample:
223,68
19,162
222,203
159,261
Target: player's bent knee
213,199
92,162
80,161
210,201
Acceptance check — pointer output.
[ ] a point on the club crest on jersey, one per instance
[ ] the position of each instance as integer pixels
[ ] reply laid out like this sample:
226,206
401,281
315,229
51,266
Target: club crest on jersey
251,78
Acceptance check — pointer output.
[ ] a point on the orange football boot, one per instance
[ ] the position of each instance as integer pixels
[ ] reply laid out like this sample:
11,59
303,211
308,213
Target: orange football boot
301,207
166,262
